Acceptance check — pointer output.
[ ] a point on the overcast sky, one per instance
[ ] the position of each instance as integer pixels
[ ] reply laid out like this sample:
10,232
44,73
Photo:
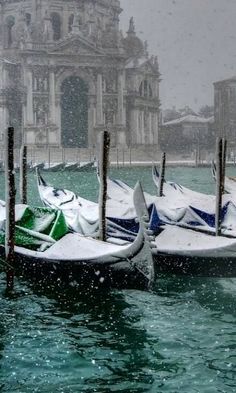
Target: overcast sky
195,41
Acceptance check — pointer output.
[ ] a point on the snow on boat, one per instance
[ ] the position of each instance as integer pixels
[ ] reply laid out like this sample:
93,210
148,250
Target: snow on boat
85,167
72,254
184,207
33,167
82,215
178,192
71,167
182,251
54,167
80,167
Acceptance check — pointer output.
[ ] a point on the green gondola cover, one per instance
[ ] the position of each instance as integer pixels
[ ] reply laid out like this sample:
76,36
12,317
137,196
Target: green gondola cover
37,228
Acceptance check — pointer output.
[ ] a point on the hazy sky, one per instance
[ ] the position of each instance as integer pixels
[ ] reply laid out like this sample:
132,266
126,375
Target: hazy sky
195,41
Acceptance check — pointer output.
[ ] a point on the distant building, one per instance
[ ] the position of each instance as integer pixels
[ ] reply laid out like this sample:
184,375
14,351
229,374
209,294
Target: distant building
67,72
187,134
225,109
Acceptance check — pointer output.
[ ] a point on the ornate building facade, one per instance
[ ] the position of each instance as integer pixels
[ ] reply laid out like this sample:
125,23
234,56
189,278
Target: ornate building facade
67,72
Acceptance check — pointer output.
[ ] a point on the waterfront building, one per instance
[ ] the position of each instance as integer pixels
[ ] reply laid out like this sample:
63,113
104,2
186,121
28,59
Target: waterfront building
225,113
67,72
187,134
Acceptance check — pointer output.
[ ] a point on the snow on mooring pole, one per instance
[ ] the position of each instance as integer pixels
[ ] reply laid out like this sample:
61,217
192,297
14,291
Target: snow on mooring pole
103,170
162,175
10,193
23,175
219,159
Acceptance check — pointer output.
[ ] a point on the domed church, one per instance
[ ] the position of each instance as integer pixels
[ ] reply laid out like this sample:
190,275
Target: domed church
68,72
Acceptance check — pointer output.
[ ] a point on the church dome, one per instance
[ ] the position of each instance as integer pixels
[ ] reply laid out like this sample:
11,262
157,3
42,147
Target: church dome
133,45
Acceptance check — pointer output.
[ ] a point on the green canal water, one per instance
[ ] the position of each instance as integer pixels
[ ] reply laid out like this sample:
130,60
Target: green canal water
180,337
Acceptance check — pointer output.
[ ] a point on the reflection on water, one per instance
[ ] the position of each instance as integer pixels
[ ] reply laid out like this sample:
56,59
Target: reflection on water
179,337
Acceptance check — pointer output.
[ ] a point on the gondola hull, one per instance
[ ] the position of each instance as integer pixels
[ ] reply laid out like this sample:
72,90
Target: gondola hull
87,274
89,167
121,275
185,252
54,168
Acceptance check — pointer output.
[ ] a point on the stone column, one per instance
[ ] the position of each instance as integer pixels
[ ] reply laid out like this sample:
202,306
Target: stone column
121,84
91,120
156,91
150,142
137,131
99,104
3,79
65,23
4,121
52,97
29,116
4,113
58,116
155,129
141,131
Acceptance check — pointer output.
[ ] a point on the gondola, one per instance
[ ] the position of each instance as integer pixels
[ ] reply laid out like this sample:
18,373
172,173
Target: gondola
85,167
82,215
185,252
196,207
54,167
180,206
33,167
178,192
175,209
71,167
78,257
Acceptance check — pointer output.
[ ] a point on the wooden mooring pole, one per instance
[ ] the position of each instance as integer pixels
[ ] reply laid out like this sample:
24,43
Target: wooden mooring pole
224,155
10,193
23,175
219,182
162,175
103,171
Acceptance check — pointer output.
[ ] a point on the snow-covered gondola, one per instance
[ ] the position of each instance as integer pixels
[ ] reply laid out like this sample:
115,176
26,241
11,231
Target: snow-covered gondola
199,207
82,215
175,208
54,167
76,256
176,191
85,167
180,206
179,251
33,167
71,167
80,167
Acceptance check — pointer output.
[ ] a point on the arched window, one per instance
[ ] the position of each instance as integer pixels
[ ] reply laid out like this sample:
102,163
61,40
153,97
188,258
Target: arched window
10,21
70,22
56,25
145,89
28,19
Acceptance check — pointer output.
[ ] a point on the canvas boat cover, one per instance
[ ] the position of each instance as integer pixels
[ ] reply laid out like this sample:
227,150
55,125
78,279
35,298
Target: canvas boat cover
37,228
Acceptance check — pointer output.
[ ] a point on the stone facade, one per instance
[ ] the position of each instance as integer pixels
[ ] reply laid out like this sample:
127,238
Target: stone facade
67,72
